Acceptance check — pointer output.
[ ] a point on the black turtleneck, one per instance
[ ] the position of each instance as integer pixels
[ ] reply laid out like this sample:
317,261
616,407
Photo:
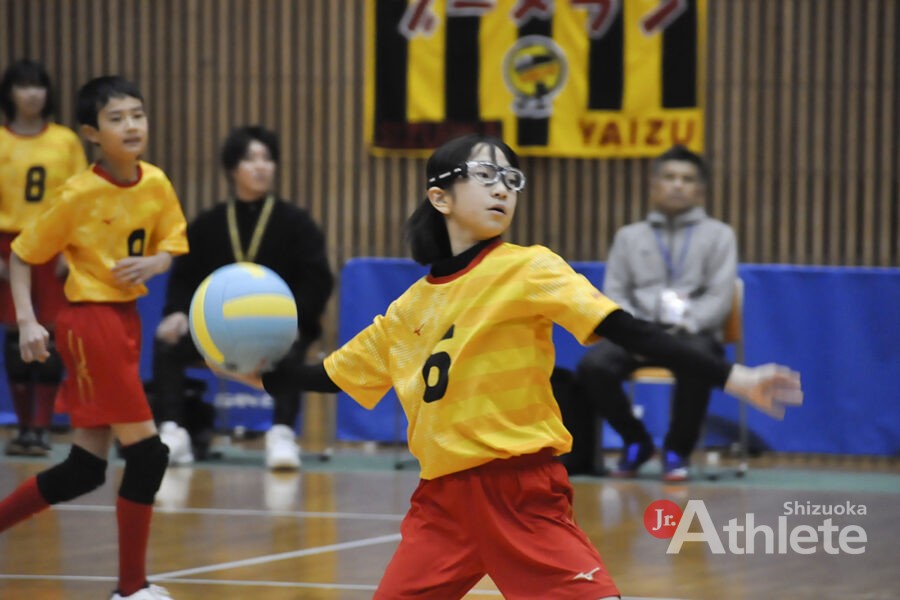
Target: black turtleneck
455,264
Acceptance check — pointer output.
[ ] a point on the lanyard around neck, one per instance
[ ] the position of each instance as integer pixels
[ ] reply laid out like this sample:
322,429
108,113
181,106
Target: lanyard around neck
673,269
258,231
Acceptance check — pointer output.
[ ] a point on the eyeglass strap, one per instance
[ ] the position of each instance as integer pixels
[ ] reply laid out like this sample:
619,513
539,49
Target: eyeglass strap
452,174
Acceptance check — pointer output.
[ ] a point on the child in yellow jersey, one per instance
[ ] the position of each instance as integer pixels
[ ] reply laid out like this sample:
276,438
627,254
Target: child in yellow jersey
36,155
468,350
118,224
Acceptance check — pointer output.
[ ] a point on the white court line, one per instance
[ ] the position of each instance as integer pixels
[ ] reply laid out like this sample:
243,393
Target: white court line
233,583
18,577
394,537
273,584
240,512
176,576
319,586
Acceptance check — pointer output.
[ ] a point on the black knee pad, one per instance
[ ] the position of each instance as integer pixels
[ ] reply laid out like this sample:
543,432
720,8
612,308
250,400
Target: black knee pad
50,371
17,370
145,465
79,474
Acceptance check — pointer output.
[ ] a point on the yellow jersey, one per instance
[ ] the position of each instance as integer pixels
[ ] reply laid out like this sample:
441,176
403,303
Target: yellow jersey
31,167
470,356
95,222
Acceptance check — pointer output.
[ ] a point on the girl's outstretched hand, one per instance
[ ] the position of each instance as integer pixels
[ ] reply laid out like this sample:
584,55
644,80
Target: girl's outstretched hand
769,388
253,380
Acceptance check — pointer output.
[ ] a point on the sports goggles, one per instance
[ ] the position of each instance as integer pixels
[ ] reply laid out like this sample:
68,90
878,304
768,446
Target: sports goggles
485,173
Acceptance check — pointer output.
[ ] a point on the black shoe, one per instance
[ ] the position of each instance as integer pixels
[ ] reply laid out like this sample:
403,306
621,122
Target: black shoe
201,441
40,446
21,444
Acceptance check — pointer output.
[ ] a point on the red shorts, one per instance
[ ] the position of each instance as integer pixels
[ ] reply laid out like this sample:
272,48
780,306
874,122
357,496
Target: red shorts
46,289
100,345
510,519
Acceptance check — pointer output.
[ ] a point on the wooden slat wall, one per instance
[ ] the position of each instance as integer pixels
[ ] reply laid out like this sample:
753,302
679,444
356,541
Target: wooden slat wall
803,102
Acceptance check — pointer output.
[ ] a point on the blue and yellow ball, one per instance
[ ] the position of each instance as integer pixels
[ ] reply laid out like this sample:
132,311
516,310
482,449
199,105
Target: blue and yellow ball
243,318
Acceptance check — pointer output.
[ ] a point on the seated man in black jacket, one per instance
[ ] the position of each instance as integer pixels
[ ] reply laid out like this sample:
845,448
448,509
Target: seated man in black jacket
251,225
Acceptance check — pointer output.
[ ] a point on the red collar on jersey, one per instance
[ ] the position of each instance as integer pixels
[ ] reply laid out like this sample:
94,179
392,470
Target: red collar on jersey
452,268
99,170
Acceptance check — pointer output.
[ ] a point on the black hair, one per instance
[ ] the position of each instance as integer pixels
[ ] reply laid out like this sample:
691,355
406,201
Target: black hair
97,93
426,229
21,73
235,146
681,153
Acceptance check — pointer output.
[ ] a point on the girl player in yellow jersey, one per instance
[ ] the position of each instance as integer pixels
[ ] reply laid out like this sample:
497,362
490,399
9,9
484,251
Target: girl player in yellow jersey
36,155
468,349
118,224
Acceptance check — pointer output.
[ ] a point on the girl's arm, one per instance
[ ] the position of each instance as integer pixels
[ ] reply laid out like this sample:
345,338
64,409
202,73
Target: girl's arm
298,376
650,340
769,388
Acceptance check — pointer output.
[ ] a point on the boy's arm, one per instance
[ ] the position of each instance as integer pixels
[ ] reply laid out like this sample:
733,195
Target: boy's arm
136,270
33,337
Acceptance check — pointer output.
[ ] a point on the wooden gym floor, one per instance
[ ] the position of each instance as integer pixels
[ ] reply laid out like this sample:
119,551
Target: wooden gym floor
229,529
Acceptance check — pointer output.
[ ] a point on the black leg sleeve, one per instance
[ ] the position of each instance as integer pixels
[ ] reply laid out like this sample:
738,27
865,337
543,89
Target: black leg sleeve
287,401
690,400
169,364
600,375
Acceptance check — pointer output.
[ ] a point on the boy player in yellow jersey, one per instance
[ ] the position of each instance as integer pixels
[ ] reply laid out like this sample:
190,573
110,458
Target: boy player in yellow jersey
117,224
36,155
469,351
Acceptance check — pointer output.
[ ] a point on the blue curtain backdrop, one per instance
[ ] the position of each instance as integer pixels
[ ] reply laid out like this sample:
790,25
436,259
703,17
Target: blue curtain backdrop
837,326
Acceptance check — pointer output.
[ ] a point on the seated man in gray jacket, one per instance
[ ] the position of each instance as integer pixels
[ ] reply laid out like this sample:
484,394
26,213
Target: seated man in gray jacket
677,268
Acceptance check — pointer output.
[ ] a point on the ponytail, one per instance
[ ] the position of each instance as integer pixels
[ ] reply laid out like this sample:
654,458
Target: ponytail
426,234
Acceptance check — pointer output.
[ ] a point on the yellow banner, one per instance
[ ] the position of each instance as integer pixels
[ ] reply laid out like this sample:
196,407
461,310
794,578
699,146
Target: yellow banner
577,78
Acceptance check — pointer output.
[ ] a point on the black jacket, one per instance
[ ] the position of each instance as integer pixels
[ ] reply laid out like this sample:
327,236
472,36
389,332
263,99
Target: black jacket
292,245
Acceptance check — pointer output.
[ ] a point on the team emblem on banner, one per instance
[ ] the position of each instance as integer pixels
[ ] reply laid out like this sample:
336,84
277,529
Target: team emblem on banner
579,78
534,70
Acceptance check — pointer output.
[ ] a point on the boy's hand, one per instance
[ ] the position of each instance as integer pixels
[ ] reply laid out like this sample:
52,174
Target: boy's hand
136,270
770,388
33,340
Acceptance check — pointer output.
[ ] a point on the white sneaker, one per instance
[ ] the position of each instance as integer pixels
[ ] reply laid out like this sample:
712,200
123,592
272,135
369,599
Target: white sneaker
282,451
179,442
151,592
